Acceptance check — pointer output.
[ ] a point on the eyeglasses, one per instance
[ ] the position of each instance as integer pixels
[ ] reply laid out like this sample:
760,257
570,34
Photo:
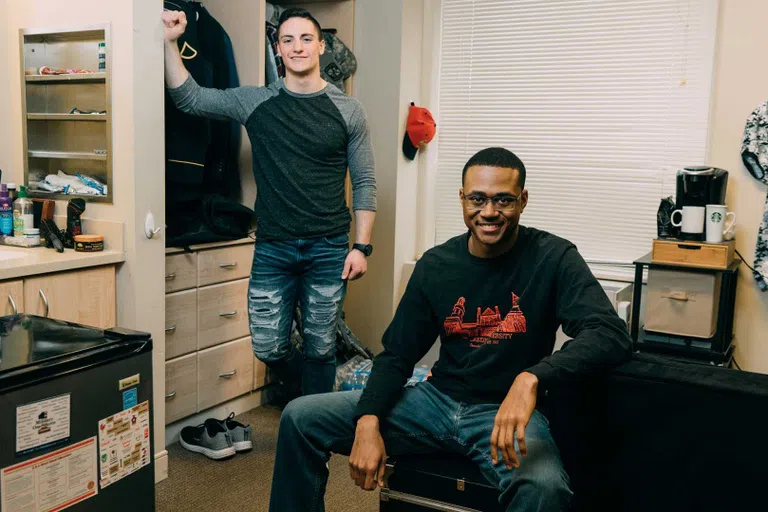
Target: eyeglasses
501,203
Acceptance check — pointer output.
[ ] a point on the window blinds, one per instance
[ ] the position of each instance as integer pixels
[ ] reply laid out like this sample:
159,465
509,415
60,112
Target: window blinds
603,100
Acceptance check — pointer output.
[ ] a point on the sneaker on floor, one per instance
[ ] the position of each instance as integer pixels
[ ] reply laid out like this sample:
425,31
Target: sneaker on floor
211,439
239,433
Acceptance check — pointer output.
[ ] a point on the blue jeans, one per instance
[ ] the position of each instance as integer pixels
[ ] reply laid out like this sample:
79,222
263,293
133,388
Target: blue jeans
424,420
307,272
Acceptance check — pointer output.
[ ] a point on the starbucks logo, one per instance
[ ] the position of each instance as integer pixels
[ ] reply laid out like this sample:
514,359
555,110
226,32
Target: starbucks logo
716,217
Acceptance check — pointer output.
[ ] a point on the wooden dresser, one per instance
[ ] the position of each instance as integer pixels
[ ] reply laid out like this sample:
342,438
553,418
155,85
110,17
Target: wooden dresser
208,355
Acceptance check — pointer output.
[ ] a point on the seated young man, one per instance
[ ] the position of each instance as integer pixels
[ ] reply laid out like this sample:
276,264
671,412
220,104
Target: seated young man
496,297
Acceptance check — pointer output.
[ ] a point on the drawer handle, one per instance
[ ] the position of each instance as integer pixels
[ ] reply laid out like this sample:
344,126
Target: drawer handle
170,329
676,295
170,276
227,265
170,395
228,375
13,305
45,302
228,313
689,247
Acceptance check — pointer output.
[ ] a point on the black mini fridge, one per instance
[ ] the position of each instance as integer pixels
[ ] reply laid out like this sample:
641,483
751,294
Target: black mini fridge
75,417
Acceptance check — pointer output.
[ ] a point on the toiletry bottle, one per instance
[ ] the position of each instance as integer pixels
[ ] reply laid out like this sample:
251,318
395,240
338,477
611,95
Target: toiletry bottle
12,191
23,213
102,57
6,212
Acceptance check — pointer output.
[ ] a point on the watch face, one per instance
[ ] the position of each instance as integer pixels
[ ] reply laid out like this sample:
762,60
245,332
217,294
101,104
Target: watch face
365,249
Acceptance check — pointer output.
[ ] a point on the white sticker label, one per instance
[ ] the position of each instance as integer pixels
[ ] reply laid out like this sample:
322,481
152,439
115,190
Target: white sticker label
123,444
42,423
51,482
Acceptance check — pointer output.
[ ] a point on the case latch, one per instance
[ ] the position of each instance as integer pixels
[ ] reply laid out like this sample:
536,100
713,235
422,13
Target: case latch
460,485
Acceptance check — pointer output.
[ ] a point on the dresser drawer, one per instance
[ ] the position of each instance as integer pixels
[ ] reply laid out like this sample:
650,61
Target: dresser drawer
225,264
180,323
180,388
224,372
222,313
180,272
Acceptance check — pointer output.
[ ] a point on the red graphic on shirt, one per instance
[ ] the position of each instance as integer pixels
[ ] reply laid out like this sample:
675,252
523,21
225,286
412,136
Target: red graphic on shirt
489,327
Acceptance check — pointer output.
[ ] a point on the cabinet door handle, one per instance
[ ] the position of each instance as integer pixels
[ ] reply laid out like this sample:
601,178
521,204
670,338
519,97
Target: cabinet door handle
13,305
228,375
227,265
45,302
170,329
170,395
228,313
170,276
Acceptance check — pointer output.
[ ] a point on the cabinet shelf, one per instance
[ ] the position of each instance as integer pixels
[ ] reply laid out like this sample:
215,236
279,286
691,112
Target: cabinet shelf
74,77
44,194
61,155
58,137
67,117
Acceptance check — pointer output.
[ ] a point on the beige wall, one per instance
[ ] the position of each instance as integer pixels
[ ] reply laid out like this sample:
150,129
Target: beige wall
408,171
378,25
388,47
741,83
137,150
5,104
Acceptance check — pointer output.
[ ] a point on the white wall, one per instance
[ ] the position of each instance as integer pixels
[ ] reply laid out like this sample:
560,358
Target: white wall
137,151
741,83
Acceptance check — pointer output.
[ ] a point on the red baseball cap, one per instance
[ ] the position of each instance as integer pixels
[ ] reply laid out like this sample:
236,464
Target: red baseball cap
419,130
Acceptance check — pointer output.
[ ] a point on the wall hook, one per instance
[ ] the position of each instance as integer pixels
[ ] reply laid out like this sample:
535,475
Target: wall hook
149,225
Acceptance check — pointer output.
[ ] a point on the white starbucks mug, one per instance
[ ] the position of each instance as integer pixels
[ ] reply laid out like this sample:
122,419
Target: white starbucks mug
716,217
691,219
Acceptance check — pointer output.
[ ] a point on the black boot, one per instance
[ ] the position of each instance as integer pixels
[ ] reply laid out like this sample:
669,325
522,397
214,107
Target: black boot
288,371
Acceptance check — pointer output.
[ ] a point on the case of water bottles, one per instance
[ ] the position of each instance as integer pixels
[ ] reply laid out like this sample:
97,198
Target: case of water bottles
354,374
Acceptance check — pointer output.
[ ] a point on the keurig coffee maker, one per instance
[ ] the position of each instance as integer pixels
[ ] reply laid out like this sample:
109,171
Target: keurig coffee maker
698,187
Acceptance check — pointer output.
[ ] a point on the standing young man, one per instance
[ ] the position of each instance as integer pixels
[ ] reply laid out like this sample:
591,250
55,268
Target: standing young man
305,133
496,297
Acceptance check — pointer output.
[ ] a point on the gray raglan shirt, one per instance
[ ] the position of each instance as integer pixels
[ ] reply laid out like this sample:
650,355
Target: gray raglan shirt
302,146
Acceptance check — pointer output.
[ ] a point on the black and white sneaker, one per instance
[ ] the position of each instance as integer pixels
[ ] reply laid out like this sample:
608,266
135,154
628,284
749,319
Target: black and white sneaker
239,434
211,439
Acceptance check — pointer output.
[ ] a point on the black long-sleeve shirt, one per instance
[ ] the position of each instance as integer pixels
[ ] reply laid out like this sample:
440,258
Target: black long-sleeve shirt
496,318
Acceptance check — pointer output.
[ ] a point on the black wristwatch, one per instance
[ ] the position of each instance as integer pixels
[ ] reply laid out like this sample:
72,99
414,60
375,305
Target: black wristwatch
365,249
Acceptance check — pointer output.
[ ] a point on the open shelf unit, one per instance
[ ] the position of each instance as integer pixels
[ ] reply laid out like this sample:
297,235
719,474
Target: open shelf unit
54,139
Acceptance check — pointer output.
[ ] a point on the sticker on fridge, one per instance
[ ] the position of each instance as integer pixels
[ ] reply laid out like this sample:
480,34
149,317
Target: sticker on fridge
42,424
123,444
51,482
130,398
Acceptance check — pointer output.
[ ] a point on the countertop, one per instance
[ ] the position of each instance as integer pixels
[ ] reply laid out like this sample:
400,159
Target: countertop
16,262
212,245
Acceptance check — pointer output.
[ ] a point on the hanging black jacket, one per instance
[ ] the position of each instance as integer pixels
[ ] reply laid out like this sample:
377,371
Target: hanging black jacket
201,154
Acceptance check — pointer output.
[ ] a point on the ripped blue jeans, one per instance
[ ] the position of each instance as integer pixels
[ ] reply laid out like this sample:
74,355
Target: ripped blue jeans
306,272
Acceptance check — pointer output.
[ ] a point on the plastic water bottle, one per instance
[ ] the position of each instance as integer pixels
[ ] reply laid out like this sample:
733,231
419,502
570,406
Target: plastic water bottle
23,214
